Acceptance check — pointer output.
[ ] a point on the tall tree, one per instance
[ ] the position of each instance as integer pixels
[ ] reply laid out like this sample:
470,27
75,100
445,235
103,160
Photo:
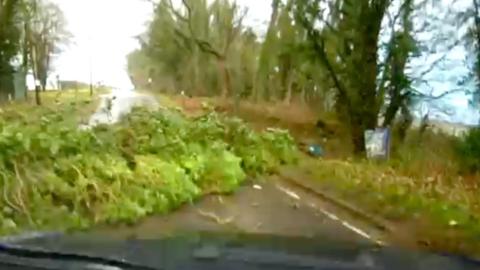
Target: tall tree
290,56
191,47
395,84
47,34
475,37
470,18
354,28
139,69
184,52
265,64
9,45
224,24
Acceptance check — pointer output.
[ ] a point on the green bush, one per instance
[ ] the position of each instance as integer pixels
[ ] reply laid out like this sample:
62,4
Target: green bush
469,151
57,176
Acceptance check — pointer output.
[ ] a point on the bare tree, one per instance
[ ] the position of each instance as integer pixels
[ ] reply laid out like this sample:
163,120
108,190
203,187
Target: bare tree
47,33
229,19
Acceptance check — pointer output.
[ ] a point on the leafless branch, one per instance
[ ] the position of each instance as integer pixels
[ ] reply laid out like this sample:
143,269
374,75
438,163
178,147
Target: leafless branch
176,13
205,46
391,43
236,27
428,97
437,61
319,46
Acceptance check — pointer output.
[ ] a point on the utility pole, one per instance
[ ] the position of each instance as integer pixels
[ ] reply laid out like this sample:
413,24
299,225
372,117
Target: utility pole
26,46
90,58
90,66
91,74
38,100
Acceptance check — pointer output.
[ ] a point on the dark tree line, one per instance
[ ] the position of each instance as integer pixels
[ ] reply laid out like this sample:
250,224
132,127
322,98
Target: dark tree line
352,57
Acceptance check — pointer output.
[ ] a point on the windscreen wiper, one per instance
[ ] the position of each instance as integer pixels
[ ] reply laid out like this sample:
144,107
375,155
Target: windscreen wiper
29,254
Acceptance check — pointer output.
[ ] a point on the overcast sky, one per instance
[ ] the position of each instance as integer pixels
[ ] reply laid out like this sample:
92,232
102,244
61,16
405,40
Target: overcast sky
104,32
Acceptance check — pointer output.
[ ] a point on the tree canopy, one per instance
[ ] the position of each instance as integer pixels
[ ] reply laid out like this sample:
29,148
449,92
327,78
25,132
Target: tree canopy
361,59
31,32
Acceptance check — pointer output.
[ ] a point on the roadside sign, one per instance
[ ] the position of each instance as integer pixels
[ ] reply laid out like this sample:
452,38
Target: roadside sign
377,143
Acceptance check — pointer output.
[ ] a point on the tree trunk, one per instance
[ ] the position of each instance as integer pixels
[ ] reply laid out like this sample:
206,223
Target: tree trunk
364,108
25,53
224,77
38,100
288,95
357,133
405,123
43,82
303,94
261,90
424,124
41,63
477,36
392,110
46,68
199,89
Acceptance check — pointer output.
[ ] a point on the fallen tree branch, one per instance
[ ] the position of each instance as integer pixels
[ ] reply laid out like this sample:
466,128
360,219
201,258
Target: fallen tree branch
215,218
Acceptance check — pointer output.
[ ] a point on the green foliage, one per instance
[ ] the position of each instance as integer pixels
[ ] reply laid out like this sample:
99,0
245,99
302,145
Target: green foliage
54,175
9,45
469,151
210,50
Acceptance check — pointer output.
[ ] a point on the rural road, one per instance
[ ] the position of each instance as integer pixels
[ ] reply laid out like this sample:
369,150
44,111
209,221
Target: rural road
269,207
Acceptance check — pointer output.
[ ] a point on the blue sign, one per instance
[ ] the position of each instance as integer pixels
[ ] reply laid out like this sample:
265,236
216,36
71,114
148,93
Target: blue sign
377,143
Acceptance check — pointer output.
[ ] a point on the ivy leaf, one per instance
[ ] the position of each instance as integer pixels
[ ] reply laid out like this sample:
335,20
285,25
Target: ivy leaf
54,148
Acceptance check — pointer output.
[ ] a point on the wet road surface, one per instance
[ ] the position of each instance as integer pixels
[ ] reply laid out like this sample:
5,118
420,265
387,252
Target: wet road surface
270,207
122,101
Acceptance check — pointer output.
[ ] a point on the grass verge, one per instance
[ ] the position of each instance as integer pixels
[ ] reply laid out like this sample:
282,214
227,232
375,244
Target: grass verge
440,214
79,104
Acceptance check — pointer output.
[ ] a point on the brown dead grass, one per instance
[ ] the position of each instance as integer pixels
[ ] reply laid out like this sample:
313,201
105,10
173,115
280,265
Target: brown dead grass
420,210
299,119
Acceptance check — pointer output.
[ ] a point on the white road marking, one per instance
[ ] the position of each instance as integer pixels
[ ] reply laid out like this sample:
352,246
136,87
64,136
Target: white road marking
257,187
289,192
328,214
331,216
356,230
344,223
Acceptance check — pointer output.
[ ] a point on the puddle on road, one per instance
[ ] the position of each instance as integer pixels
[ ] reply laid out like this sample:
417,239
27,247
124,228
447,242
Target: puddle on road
122,102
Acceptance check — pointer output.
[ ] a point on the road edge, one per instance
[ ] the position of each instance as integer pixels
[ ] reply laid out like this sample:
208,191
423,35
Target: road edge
309,186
